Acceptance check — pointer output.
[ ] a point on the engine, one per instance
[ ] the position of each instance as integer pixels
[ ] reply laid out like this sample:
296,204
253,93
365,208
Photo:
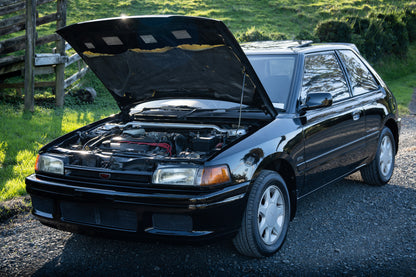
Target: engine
116,145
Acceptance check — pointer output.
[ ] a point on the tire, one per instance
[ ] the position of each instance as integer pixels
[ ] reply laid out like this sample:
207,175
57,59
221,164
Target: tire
380,170
264,226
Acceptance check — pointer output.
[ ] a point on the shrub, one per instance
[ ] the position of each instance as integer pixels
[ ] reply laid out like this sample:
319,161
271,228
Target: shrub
278,36
409,19
333,31
253,34
305,35
395,34
372,43
375,36
359,25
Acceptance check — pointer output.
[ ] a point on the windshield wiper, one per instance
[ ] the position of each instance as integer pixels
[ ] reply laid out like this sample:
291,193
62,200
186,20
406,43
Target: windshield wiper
170,108
182,90
197,110
252,109
186,110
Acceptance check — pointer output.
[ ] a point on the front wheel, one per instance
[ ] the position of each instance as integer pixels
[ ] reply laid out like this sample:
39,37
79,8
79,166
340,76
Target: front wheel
380,170
266,219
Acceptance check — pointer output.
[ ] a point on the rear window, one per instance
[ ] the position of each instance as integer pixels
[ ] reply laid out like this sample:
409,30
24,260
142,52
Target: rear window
362,80
275,73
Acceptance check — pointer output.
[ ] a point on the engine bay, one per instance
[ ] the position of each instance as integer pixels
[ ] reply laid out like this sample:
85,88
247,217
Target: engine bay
122,146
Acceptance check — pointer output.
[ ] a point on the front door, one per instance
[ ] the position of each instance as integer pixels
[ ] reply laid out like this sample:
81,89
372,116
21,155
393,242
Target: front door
334,136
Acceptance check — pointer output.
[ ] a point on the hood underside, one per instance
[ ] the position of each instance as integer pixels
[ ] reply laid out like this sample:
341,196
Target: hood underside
147,58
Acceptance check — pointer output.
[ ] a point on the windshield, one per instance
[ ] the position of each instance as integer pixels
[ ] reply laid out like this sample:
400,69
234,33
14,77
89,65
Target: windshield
275,73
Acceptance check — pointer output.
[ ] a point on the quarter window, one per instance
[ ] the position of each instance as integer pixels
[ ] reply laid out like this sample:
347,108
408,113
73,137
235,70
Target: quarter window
362,80
322,73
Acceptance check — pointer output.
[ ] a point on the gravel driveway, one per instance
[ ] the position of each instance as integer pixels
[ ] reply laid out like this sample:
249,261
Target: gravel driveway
348,228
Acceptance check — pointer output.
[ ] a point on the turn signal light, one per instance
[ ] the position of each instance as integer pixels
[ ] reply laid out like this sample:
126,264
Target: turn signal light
36,163
215,175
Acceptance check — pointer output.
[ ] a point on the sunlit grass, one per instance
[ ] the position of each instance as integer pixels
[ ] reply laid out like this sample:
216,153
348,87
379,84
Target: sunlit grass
402,89
23,134
284,16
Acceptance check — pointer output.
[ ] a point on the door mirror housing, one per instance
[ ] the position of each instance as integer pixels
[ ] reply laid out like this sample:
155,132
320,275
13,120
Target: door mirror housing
316,101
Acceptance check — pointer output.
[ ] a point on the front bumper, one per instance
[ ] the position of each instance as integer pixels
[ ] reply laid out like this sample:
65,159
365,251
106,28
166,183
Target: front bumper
187,215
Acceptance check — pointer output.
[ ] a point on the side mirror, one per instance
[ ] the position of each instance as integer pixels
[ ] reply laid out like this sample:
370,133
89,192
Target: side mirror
316,101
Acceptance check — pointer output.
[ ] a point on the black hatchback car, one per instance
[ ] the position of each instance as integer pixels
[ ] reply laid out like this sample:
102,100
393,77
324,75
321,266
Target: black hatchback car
213,139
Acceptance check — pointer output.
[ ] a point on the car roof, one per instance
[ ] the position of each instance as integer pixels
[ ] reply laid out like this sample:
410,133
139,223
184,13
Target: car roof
292,47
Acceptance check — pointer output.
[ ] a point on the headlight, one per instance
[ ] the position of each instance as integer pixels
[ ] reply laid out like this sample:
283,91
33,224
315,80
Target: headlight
192,176
49,164
175,175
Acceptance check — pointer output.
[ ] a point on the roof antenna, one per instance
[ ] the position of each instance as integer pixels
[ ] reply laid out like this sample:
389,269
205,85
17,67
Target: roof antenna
241,100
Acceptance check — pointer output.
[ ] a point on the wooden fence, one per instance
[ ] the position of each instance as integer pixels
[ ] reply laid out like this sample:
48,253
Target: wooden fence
31,64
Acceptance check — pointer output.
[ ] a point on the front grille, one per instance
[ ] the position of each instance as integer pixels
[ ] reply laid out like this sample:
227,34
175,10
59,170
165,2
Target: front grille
125,186
127,178
99,216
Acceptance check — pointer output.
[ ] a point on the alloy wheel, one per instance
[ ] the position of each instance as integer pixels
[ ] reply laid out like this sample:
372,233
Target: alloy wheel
271,215
386,156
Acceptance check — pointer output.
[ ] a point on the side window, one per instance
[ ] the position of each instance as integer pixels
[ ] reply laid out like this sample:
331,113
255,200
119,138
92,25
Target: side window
362,80
322,73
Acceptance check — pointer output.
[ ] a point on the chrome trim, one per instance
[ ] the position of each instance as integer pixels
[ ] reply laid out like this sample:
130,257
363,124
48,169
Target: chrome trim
155,231
227,200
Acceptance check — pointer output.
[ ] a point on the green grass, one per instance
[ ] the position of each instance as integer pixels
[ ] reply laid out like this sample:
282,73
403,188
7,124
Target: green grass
283,16
403,89
400,76
23,134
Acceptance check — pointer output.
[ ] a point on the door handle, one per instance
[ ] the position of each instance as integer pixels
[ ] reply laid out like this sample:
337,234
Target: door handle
356,115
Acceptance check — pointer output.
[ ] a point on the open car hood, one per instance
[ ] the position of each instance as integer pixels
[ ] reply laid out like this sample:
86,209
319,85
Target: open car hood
147,58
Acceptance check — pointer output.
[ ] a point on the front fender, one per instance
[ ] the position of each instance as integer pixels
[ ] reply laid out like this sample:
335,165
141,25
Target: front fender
281,139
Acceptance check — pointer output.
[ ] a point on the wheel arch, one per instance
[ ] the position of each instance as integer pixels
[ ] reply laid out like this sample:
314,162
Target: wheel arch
394,128
285,169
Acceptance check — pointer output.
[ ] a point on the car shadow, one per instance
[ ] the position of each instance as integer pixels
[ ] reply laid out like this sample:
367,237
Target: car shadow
102,256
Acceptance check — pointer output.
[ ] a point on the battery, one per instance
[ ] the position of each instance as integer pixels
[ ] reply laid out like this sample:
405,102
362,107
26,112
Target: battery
204,144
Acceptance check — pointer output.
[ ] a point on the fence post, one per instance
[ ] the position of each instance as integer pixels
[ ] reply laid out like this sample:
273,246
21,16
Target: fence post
30,54
60,49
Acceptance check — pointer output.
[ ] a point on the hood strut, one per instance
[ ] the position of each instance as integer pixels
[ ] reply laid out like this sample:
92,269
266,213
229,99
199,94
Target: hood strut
242,97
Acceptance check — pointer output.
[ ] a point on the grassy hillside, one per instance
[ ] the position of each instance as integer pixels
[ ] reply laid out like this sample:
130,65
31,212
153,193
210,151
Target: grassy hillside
21,135
283,16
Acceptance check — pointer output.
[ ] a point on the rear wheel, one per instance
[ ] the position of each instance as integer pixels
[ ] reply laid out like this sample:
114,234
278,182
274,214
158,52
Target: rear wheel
380,170
266,219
